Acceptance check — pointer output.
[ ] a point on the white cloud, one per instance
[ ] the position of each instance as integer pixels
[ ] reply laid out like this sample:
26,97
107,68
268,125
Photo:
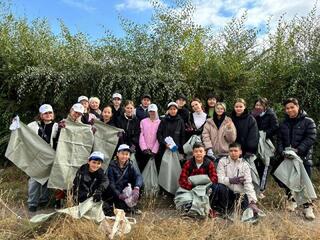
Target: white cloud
138,5
81,4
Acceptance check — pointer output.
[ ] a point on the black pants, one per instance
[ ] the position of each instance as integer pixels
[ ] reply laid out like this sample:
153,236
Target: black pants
224,200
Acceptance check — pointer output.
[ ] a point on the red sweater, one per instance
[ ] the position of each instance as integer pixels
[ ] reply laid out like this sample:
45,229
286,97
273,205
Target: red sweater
190,169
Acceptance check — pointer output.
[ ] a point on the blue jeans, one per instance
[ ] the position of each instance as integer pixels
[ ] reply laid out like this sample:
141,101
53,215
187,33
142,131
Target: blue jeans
37,193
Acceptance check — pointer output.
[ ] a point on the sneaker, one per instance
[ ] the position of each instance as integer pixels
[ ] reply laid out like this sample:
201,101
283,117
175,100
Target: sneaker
291,205
136,211
308,213
32,209
261,195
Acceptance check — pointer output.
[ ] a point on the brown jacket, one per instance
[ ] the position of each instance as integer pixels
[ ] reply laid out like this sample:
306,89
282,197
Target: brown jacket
218,139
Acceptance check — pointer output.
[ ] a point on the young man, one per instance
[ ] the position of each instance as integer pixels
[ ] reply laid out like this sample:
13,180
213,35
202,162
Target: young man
121,172
234,180
90,180
117,110
182,109
142,110
198,164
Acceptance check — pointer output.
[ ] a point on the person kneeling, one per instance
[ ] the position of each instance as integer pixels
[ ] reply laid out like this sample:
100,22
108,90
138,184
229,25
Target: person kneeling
196,178
90,180
125,183
234,184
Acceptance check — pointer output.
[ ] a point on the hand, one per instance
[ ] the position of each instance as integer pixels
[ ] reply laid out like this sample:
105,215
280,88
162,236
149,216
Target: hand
133,148
228,123
120,134
93,129
210,153
254,208
97,196
147,152
135,194
236,180
122,196
62,124
91,122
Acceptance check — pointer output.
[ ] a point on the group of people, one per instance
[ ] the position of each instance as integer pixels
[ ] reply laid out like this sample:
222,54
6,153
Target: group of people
226,144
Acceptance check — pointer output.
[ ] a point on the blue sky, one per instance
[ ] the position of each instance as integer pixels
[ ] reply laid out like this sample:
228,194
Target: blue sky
93,16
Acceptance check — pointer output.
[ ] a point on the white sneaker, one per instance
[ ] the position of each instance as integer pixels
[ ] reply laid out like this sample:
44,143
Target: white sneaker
291,205
308,213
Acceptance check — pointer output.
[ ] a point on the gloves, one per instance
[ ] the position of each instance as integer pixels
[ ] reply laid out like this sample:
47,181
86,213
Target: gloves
97,196
120,134
236,180
254,208
133,148
211,154
122,196
135,194
62,124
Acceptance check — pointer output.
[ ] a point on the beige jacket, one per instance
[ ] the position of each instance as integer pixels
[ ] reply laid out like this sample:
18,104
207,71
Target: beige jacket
228,168
218,139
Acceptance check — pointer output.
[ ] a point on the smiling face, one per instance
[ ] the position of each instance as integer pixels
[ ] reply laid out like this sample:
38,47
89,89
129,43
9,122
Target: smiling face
172,111
85,104
211,102
219,110
145,102
199,154
116,102
123,157
74,115
107,113
94,165
292,110
239,108
94,104
196,106
129,110
259,106
46,117
181,102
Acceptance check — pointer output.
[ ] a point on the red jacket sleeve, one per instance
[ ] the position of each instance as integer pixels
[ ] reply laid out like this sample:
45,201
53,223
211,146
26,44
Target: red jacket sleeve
212,173
183,180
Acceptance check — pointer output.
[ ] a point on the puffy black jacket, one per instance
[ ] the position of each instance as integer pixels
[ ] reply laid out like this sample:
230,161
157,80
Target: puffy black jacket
247,131
173,127
132,130
299,133
119,178
268,123
86,183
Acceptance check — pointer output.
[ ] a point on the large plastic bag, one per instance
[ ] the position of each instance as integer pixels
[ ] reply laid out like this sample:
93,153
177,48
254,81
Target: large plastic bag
129,200
187,147
170,170
150,178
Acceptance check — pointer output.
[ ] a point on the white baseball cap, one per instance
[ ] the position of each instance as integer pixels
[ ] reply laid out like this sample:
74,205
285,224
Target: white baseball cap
81,98
116,95
45,108
124,147
96,155
152,108
77,107
172,104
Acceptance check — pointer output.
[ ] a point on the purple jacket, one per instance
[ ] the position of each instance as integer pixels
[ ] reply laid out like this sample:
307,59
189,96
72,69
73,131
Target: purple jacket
148,135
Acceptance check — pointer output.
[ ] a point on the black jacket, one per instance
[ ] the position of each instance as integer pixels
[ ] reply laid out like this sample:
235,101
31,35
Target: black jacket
119,178
268,123
132,130
184,114
86,183
193,128
247,131
173,127
299,133
116,114
141,113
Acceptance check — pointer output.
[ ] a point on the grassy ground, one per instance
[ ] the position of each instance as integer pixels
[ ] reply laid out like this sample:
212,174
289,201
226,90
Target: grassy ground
158,221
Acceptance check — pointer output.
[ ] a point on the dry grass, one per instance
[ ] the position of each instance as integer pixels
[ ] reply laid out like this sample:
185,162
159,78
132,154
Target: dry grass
158,221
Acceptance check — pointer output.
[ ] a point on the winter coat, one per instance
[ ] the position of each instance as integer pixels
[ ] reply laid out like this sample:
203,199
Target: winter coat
141,113
86,183
131,130
299,133
87,117
268,123
116,114
148,135
48,132
192,125
247,131
218,139
129,175
97,113
228,168
190,169
173,127
184,114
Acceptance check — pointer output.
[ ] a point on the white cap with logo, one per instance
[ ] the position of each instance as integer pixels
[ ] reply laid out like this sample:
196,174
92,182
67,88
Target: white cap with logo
124,147
152,108
81,98
116,95
45,108
96,155
78,108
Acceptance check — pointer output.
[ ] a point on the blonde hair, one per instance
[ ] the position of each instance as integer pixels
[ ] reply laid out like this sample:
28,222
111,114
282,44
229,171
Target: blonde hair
94,99
240,100
129,102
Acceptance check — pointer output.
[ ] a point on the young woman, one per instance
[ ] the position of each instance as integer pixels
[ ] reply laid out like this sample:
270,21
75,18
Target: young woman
130,124
197,118
94,104
171,125
210,104
117,109
298,131
106,116
47,129
87,117
218,132
247,128
148,142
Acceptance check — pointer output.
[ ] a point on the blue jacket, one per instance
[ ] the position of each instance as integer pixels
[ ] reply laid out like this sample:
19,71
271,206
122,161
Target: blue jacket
131,175
141,113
